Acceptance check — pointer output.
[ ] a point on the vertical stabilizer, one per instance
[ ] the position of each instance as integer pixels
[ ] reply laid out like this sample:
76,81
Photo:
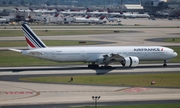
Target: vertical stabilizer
32,39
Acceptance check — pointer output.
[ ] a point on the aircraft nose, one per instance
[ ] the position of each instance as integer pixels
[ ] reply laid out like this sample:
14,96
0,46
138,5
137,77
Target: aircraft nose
175,54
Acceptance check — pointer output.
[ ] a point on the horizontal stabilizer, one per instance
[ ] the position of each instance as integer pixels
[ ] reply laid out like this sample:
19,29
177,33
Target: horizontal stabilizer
16,50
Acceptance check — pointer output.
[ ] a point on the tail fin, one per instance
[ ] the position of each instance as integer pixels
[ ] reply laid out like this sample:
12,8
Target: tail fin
17,9
88,10
121,12
31,9
88,16
102,17
108,10
32,39
56,15
57,10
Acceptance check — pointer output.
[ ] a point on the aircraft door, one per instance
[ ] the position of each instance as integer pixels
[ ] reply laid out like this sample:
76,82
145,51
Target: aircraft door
53,54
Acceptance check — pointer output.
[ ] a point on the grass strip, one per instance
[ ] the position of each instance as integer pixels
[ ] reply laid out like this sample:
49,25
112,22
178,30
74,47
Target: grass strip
173,40
137,106
10,33
22,43
162,80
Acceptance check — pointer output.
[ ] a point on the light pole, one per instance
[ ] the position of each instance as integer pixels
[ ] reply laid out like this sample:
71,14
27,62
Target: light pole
95,98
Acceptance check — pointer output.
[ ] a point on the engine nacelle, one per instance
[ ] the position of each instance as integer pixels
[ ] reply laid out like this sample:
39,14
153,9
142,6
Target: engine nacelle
130,61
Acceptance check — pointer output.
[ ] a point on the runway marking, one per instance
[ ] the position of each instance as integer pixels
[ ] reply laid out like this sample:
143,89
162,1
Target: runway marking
137,89
18,92
30,92
71,91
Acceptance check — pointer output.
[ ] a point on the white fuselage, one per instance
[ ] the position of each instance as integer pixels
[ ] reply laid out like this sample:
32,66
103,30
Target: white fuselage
87,20
114,14
2,19
113,19
72,12
93,54
96,13
130,15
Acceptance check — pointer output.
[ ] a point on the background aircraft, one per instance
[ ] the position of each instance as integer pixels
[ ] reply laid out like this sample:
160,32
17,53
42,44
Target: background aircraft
89,20
114,14
134,15
95,13
3,20
72,13
113,19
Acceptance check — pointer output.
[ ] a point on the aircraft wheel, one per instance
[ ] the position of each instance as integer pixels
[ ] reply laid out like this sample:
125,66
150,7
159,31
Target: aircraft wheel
165,63
106,67
93,66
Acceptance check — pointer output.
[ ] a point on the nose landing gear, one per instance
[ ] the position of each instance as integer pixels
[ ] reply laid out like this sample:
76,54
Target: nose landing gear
165,63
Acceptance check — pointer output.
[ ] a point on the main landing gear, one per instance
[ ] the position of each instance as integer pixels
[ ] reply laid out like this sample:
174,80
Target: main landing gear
96,66
106,67
93,65
165,63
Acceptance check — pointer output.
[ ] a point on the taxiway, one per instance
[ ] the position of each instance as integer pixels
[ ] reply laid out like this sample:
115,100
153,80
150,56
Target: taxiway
83,69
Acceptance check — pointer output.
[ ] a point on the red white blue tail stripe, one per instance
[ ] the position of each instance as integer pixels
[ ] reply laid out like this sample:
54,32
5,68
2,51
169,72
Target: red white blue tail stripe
32,39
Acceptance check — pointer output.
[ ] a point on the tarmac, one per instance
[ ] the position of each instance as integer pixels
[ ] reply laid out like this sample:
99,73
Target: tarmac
14,93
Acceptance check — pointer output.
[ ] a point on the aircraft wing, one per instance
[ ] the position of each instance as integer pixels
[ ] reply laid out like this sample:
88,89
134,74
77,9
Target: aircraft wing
108,58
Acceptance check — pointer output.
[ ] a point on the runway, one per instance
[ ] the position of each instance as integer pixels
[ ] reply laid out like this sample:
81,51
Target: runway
82,69
15,93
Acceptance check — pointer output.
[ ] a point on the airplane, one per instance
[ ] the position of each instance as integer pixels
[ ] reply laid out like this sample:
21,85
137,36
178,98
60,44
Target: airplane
72,13
3,20
81,19
113,19
89,12
128,56
134,15
114,14
22,10
36,11
68,12
89,20
44,11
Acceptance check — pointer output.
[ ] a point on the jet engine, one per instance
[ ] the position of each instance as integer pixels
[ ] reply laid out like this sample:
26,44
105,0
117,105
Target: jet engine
130,61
